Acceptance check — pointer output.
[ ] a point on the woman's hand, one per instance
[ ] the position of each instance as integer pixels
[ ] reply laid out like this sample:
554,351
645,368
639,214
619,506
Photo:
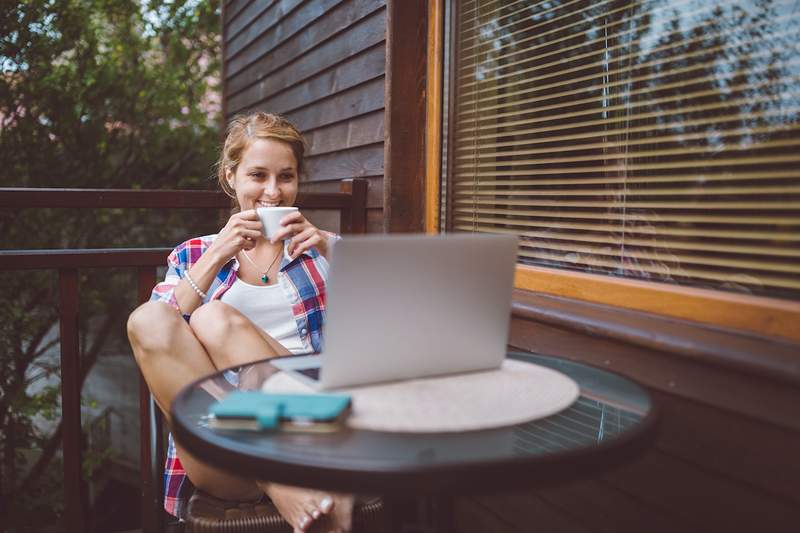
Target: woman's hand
240,233
303,234
302,508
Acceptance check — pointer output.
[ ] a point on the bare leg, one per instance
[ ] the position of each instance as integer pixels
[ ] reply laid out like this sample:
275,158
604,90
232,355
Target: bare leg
172,354
215,324
170,357
231,339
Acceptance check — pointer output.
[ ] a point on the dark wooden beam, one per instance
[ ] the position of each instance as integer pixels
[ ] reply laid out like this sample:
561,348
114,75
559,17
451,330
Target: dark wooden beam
728,349
75,502
354,220
146,198
89,258
404,146
24,198
327,200
151,498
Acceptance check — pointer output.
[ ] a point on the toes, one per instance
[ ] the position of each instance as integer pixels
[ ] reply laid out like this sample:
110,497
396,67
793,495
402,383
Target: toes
305,522
312,509
326,504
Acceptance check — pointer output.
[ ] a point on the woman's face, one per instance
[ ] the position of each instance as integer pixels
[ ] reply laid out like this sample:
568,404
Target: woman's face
266,176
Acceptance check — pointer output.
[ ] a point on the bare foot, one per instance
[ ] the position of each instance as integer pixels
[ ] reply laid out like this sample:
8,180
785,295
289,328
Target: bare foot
303,508
300,507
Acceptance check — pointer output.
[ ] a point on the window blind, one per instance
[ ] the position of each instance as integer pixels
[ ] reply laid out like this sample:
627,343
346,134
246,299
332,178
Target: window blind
655,140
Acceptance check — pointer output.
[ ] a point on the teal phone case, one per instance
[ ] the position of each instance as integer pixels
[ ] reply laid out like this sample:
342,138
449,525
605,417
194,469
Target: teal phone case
268,410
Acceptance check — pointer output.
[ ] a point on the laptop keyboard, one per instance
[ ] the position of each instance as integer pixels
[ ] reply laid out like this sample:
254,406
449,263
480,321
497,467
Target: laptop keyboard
312,373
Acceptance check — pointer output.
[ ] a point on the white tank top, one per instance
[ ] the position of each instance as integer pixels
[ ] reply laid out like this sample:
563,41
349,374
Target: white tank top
268,308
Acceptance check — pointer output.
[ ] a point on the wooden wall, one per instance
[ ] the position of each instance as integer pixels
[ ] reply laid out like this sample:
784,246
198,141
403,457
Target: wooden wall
727,455
322,64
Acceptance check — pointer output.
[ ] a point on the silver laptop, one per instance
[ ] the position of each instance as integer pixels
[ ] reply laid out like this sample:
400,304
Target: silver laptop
409,306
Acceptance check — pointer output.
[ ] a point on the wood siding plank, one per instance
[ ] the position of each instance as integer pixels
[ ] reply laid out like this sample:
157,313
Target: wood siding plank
358,131
280,33
232,9
356,163
348,104
256,11
304,56
273,26
365,66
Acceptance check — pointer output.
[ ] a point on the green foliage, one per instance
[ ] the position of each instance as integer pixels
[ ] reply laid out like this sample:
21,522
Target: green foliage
93,94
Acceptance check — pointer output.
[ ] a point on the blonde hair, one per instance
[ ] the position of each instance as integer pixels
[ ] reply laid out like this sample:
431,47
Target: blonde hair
243,130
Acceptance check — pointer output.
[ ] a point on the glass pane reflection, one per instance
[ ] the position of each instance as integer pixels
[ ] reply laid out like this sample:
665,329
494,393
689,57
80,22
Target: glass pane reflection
646,139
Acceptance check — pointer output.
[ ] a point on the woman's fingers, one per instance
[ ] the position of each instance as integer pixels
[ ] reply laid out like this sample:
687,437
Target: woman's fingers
303,241
289,230
295,216
291,225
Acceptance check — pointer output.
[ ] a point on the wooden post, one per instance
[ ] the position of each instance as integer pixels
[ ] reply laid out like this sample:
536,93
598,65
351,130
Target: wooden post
149,433
354,219
75,503
404,99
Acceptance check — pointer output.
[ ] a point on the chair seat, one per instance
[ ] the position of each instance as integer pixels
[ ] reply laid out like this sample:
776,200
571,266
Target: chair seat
207,514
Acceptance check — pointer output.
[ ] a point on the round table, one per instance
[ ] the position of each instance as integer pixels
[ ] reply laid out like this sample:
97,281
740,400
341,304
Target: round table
612,420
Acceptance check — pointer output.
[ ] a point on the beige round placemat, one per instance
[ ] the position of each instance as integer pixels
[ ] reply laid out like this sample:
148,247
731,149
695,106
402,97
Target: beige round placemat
516,392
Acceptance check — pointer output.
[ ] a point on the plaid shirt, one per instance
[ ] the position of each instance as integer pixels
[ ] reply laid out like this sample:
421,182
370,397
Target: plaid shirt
303,281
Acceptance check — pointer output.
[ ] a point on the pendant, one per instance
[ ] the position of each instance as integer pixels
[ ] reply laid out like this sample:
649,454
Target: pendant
265,278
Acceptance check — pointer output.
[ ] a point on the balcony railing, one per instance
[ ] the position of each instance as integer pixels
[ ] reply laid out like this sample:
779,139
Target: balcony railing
350,201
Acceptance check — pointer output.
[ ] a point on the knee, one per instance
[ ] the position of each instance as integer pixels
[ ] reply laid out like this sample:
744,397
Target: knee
215,321
151,328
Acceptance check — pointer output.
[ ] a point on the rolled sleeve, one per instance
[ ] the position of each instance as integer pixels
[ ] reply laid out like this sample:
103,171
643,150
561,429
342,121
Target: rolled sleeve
165,290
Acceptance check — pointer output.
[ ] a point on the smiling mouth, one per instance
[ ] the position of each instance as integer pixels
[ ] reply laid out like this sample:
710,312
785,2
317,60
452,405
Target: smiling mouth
267,204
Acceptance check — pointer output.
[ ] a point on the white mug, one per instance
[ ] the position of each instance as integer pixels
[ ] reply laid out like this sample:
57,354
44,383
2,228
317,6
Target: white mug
271,218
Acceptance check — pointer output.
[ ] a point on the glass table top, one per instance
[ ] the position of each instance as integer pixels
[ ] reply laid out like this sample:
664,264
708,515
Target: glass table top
612,418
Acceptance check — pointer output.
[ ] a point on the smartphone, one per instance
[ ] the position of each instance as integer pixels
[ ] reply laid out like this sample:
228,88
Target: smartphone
257,410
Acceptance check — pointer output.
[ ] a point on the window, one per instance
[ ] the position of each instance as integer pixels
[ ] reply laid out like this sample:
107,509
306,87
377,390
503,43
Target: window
641,141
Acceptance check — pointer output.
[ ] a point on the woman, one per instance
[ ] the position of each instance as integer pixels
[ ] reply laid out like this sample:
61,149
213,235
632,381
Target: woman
232,296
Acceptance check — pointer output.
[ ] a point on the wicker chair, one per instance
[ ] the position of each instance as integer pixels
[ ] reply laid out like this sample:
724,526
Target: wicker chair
207,514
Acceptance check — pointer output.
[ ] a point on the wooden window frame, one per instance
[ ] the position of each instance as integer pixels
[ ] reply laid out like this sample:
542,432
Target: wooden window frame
746,313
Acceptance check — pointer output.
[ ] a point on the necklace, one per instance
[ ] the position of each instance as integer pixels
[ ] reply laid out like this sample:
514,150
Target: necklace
265,277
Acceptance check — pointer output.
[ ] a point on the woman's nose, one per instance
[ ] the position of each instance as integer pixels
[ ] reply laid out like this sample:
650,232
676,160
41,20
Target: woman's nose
270,187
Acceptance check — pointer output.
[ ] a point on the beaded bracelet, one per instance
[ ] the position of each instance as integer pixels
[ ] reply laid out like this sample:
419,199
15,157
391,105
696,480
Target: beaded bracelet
200,293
